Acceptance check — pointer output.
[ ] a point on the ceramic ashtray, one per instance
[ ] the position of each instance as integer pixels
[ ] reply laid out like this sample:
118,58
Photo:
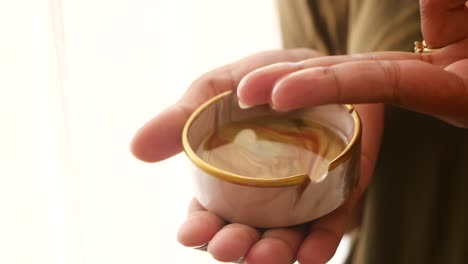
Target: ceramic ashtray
264,168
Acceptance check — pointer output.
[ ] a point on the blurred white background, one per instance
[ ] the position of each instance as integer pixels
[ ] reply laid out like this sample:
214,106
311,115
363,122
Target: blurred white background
77,79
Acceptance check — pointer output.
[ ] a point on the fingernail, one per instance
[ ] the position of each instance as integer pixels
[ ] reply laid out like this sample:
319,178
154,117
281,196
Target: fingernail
274,92
297,64
243,105
274,99
240,86
241,260
280,109
203,247
273,103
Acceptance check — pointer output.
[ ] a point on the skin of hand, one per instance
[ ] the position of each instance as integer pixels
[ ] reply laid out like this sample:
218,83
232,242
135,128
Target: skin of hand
160,138
435,84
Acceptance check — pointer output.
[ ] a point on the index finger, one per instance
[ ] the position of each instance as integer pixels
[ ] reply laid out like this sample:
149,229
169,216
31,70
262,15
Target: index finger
415,85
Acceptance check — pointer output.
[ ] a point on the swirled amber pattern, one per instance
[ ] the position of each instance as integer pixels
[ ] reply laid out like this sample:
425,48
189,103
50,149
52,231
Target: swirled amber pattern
272,147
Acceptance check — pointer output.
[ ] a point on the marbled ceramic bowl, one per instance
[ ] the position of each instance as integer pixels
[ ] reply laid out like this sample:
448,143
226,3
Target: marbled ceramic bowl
272,202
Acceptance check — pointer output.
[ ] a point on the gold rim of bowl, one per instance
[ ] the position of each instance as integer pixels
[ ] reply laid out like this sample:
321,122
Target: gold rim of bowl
262,182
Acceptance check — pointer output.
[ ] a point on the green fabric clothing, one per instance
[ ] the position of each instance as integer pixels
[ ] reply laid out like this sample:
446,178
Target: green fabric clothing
415,210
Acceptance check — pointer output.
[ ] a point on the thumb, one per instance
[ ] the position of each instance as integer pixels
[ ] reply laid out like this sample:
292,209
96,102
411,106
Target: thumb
443,21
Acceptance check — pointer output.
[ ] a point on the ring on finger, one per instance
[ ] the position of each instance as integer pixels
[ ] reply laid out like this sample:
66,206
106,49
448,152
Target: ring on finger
421,47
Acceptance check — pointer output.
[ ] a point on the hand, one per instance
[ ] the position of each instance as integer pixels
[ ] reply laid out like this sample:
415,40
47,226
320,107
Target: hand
233,241
434,84
160,138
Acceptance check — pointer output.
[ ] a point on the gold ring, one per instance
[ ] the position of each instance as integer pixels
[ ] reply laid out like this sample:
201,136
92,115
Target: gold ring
421,47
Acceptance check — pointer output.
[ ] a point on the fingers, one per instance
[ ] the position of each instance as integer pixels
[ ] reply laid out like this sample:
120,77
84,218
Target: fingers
157,139
324,237
160,138
443,21
226,243
255,88
233,242
412,84
277,246
200,226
